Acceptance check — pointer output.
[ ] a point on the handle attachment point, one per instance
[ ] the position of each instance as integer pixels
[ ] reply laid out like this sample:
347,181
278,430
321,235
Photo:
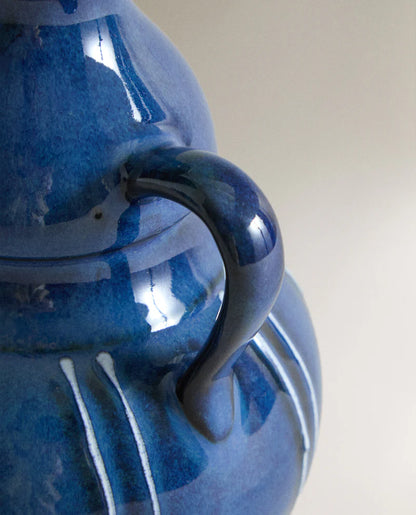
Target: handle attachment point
246,232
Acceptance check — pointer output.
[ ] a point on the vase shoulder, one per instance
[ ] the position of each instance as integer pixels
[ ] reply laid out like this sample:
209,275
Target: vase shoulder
78,99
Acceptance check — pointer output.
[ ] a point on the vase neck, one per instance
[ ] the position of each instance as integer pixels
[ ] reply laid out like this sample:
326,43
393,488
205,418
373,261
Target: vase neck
59,12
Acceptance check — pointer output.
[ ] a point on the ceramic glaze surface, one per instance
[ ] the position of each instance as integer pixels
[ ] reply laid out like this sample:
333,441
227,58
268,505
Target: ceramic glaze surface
77,98
246,232
136,269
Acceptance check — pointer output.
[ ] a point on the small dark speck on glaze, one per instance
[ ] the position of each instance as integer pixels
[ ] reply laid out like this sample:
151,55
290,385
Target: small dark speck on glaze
69,6
98,215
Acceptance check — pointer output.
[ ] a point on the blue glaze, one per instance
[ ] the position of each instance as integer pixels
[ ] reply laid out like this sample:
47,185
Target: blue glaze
69,6
108,301
247,235
78,97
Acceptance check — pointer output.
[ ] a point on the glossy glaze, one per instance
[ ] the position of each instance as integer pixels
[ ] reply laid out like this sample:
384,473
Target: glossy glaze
107,301
78,97
245,230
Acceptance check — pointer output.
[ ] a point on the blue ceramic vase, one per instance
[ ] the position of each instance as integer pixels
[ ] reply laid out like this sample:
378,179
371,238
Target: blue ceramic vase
154,355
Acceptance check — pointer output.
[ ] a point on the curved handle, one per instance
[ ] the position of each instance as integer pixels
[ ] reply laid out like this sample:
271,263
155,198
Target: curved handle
246,232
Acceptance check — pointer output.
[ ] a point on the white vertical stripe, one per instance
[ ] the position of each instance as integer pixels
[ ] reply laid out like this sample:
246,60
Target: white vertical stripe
107,364
305,372
269,354
67,366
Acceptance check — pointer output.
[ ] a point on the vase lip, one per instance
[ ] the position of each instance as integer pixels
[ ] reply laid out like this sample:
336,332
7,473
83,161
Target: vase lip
59,12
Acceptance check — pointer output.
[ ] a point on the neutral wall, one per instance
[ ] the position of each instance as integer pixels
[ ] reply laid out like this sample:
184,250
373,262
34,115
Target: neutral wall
316,101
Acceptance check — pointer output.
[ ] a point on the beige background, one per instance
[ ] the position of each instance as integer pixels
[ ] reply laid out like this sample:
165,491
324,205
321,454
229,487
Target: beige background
316,101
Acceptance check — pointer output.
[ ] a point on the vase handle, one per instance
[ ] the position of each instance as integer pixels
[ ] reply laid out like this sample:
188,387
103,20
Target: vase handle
246,232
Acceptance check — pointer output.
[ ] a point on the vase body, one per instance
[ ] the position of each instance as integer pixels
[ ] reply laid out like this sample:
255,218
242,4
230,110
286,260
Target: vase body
105,303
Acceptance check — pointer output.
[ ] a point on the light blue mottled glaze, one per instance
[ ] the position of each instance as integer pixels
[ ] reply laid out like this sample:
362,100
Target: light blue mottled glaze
106,303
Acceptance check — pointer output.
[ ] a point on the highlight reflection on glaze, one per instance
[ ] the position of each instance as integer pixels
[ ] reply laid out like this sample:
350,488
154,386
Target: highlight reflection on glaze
113,299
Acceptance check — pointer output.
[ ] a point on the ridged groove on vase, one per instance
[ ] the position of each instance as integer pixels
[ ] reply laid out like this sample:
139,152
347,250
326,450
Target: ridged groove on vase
107,364
302,365
266,349
146,254
69,258
67,366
